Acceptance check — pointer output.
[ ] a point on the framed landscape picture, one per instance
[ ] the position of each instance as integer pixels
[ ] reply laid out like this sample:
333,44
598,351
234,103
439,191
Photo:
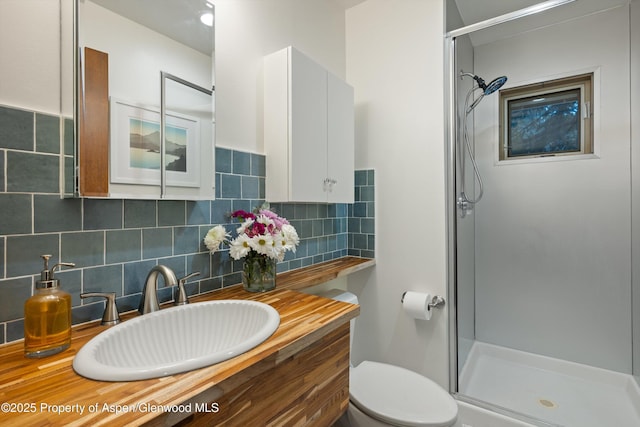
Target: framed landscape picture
135,146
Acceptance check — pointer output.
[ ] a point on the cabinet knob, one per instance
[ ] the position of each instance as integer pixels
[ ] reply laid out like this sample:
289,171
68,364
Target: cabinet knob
328,184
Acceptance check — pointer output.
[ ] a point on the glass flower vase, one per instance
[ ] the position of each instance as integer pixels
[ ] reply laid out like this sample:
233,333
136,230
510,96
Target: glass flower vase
259,273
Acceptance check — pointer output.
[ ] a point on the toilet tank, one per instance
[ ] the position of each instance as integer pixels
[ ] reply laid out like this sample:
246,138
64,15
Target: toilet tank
340,295
344,296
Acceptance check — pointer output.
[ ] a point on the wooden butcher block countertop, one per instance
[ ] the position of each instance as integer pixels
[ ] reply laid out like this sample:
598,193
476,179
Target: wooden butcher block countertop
47,391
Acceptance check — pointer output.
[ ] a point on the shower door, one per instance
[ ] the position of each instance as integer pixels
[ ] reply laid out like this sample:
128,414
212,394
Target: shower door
541,266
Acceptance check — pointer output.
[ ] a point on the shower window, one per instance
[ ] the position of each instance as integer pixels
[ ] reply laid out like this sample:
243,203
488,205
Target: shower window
551,118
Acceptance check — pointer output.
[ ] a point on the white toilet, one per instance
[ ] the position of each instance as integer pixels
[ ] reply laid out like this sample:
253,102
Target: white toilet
382,395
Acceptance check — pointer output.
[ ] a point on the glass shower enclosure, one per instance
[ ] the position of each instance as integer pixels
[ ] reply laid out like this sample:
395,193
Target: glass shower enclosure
543,267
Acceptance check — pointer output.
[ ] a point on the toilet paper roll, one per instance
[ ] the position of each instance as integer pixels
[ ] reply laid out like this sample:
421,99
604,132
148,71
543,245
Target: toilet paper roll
416,305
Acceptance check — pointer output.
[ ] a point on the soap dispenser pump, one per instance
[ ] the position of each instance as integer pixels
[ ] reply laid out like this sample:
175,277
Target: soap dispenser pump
47,315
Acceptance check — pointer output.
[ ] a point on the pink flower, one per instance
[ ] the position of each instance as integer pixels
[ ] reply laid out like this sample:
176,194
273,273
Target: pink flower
243,214
257,229
278,221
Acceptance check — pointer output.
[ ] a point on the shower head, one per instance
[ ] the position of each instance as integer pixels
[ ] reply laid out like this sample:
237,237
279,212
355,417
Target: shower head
487,89
494,85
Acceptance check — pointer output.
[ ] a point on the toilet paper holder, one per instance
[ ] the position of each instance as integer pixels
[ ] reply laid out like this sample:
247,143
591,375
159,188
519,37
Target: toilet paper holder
436,302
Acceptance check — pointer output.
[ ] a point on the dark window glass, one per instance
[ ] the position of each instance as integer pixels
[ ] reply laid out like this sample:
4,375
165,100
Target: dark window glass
545,124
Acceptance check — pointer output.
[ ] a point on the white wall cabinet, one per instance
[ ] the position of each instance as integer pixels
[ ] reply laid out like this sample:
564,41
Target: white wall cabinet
308,131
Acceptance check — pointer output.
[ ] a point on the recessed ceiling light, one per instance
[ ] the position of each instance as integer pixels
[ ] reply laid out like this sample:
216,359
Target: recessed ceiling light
207,19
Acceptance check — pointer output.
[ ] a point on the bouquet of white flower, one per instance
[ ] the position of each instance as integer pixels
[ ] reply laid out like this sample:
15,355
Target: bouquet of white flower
264,233
263,238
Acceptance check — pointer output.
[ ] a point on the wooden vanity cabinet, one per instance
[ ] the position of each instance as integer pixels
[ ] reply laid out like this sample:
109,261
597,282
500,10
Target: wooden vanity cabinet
307,388
297,377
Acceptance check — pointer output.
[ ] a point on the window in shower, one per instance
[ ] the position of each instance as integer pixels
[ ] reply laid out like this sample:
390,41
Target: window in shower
550,118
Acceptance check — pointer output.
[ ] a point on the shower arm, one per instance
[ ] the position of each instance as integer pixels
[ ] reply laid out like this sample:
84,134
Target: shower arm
481,86
475,77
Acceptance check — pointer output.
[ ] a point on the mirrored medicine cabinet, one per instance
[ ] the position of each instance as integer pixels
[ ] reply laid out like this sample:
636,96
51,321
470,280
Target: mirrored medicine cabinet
144,100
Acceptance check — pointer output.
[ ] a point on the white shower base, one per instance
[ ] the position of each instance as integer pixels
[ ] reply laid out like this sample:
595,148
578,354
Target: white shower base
555,391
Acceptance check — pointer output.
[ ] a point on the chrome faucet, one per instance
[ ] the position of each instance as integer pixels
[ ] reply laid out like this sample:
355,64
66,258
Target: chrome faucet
149,300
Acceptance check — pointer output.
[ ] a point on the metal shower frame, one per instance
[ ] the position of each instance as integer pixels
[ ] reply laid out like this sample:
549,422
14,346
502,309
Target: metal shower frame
450,78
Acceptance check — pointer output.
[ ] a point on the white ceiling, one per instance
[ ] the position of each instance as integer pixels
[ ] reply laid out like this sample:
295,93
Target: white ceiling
179,19
176,19
349,3
473,11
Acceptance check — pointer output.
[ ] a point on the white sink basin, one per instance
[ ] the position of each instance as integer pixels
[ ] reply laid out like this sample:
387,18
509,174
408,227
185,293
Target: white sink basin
176,339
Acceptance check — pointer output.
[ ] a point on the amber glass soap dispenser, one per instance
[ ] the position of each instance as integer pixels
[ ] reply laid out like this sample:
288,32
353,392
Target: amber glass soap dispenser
47,315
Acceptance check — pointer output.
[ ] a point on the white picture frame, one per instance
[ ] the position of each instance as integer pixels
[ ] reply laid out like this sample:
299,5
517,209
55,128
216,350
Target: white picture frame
135,146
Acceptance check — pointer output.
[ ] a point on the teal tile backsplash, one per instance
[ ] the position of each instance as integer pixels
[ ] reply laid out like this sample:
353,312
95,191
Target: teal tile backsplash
139,213
51,214
16,128
362,216
47,134
31,172
115,243
12,209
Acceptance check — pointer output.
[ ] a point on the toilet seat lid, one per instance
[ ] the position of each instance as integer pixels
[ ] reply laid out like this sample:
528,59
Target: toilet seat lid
399,396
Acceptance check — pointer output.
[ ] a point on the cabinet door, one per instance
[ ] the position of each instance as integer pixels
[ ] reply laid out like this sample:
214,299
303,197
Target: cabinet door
308,129
93,141
276,125
340,142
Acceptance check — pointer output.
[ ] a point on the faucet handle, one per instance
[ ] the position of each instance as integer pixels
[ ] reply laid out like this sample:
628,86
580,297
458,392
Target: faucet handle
181,294
110,315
